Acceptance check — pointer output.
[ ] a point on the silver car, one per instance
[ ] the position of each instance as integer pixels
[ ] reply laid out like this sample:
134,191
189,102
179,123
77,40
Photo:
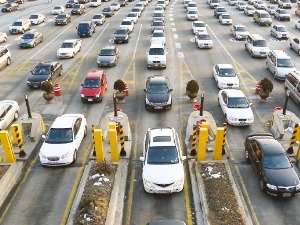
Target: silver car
108,56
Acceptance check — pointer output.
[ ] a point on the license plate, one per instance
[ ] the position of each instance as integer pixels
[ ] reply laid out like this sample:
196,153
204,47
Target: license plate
242,123
53,162
286,194
162,191
35,86
90,99
104,64
157,107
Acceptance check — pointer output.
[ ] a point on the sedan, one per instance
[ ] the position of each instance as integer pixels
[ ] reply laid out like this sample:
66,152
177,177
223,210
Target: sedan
62,19
115,6
9,7
70,3
277,176
30,39
241,5
218,11
63,140
295,45
98,19
107,12
69,48
58,10
158,93
239,32
158,36
3,37
297,25
235,107
133,16
249,10
203,40
157,25
78,9
225,76
198,26
129,24
37,18
158,16
108,56
121,35
192,15
225,19
137,10
9,111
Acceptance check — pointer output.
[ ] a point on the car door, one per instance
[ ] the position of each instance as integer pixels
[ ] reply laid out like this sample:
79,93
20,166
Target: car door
78,132
103,83
223,101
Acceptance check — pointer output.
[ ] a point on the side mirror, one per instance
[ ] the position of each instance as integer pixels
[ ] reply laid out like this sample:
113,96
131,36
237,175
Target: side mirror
171,89
142,159
81,85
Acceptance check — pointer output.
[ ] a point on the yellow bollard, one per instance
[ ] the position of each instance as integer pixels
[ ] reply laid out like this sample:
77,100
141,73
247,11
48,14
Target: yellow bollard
7,147
113,141
18,138
205,125
122,143
98,145
295,136
203,136
194,138
218,143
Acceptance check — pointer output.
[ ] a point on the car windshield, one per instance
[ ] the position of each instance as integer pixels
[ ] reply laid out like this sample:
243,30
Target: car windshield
260,43
237,102
285,63
156,34
66,45
91,83
76,6
61,16
162,155
59,135
192,12
158,88
204,37
157,24
199,24
131,15
122,31
221,10
97,17
107,52
106,10
241,29
17,24
57,7
276,162
226,17
265,15
158,15
41,70
156,51
28,36
33,17
227,72
83,26
126,23
282,29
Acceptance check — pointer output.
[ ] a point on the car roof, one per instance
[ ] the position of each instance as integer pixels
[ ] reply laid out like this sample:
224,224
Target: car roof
70,40
234,93
45,63
162,136
267,144
65,121
158,79
94,74
109,47
224,66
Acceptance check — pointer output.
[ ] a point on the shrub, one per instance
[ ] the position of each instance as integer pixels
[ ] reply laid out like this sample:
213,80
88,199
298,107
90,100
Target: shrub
192,86
47,87
119,85
266,85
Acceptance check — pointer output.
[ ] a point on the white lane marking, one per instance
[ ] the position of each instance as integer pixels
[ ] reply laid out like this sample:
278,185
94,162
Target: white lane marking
172,24
219,42
175,36
174,29
171,19
137,41
177,45
180,55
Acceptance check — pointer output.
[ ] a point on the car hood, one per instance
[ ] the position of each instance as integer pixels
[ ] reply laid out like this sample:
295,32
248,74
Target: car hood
121,35
166,173
65,50
158,98
90,91
228,80
60,20
38,78
240,112
56,149
106,58
25,41
282,177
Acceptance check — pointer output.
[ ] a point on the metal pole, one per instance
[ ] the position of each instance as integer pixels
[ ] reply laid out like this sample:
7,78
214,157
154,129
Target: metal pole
287,92
27,106
201,106
115,105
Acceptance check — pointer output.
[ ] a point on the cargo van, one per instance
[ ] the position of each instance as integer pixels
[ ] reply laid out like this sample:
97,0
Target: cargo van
292,83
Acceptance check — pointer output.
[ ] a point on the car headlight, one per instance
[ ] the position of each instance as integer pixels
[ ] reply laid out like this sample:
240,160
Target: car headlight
43,156
298,187
148,183
163,61
251,118
169,100
233,118
97,95
111,61
272,187
82,95
179,183
28,82
66,155
150,62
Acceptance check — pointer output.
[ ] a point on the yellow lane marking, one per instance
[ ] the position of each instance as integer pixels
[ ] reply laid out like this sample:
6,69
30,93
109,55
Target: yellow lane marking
130,71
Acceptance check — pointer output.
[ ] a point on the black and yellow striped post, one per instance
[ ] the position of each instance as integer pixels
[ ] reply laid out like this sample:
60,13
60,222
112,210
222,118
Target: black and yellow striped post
122,142
295,137
93,135
224,140
18,138
194,137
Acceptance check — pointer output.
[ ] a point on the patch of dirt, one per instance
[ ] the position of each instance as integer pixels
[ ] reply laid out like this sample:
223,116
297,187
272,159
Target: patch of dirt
94,203
223,207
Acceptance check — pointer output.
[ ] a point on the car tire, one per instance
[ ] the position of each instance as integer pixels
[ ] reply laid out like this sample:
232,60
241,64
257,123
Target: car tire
298,52
8,61
85,132
252,55
262,185
16,115
75,156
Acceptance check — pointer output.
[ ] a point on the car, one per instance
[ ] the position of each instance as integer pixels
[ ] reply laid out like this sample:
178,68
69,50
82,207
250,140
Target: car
3,37
17,1
69,48
163,169
232,2
158,16
158,93
249,10
225,76
157,25
257,46
241,5
37,18
161,3
158,36
225,19
86,28
78,9
157,56
62,19
71,3
192,15
159,9
5,57
219,10
239,32
98,19
295,44
140,6
271,9
44,71
30,39
297,12
63,140
137,10
108,56
83,1
145,2
186,2
9,7
58,10
198,26
214,4
284,4
94,3
133,16
277,176
94,86
166,222
9,112
107,12
129,24
203,40
123,2
121,35
251,2
260,4
191,6
279,31
115,6
297,25
282,14
235,107
20,26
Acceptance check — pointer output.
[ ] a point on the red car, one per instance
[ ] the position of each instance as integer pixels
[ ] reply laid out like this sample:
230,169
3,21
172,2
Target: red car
94,86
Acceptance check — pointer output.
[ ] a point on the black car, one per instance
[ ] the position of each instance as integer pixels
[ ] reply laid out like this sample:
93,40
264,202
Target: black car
44,71
30,39
121,35
107,12
9,7
218,11
71,3
277,176
158,93
78,9
62,19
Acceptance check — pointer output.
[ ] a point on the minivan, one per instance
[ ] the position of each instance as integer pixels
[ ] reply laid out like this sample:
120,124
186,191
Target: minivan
292,83
262,17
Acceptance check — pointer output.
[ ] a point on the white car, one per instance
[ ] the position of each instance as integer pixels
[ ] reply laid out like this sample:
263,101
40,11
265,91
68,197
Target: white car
239,32
192,15
37,18
158,36
225,19
3,37
161,3
115,6
163,170
191,6
98,19
133,16
198,26
63,140
58,10
203,40
241,5
94,3
232,2
295,45
279,31
297,25
225,76
129,24
9,111
235,107
260,4
251,2
271,9
140,6
249,10
69,48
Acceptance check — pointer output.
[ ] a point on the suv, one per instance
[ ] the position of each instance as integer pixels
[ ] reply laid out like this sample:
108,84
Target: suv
280,64
78,9
94,86
157,56
262,17
214,4
86,28
20,26
282,14
5,56
284,4
292,83
279,31
295,45
256,45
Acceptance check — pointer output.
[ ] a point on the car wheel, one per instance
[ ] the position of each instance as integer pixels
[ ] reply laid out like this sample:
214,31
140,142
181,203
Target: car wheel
74,156
73,55
226,119
34,44
85,132
100,98
8,61
298,52
23,31
252,55
262,185
291,46
275,74
247,156
16,115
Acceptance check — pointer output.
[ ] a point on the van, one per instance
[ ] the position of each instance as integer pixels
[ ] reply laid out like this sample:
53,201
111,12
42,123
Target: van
86,28
292,83
157,56
280,64
262,17
94,86
5,56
